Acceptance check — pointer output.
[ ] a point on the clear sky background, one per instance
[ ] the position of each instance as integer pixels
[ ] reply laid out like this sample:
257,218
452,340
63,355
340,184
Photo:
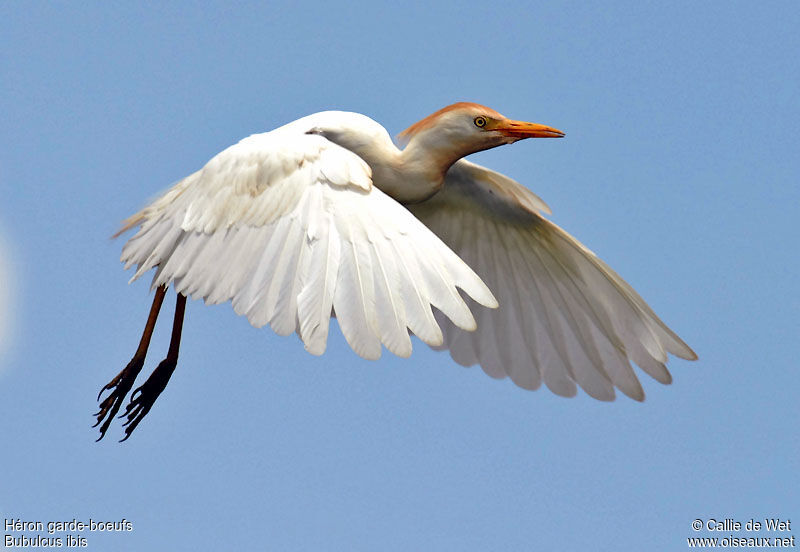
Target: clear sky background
679,168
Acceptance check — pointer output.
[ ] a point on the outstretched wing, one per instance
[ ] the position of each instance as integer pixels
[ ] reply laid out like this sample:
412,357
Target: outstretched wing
565,317
289,227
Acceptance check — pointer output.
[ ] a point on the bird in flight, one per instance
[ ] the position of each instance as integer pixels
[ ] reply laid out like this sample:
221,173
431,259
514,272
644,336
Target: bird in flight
325,216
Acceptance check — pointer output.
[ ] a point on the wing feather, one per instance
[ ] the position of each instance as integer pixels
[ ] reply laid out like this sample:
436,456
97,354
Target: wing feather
565,317
389,307
288,227
354,301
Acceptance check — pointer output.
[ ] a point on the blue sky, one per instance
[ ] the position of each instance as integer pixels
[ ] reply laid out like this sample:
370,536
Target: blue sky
680,169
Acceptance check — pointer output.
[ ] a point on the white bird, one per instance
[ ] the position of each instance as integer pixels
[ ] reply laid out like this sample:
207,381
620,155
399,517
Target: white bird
325,216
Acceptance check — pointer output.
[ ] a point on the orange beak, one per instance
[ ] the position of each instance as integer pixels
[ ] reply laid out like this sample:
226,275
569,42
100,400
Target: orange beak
520,130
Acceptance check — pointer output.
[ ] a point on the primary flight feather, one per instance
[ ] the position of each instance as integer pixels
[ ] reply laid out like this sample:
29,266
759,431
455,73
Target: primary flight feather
325,216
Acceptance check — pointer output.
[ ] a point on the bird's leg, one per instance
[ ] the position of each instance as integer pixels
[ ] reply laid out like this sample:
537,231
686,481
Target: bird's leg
122,383
143,397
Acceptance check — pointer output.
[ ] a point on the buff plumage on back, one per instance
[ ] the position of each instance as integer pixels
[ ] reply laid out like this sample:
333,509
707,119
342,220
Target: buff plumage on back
288,227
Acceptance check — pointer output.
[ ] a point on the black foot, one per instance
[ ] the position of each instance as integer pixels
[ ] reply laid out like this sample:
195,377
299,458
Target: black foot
143,397
119,387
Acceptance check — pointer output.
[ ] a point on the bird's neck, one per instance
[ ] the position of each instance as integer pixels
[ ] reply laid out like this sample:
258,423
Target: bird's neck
417,172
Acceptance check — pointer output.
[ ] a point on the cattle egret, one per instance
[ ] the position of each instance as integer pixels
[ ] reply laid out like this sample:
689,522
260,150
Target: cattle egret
326,216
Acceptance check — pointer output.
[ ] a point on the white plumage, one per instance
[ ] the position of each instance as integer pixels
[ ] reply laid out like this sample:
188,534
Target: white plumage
288,225
326,216
565,317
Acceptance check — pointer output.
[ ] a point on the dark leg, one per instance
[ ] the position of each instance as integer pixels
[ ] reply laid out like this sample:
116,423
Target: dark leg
122,383
143,397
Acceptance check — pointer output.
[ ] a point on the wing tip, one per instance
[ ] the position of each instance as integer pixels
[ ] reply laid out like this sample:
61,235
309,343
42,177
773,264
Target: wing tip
127,224
689,354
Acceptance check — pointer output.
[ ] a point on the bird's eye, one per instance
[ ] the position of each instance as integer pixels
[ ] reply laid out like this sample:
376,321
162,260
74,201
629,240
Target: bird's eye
480,122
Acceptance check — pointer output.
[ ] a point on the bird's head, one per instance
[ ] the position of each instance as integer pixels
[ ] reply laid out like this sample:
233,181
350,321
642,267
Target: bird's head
464,128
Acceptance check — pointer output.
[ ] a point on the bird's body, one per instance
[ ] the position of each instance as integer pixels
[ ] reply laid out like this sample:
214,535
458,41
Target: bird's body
326,216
